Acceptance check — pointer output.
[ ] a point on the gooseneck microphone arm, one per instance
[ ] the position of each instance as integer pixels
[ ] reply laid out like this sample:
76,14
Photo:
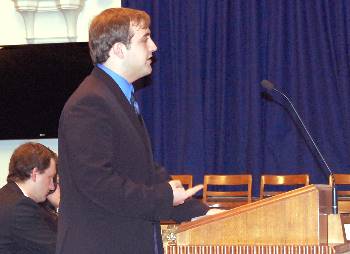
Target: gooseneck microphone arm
270,86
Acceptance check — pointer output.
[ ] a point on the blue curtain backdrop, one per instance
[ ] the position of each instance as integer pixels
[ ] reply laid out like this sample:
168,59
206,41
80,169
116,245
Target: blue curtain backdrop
204,106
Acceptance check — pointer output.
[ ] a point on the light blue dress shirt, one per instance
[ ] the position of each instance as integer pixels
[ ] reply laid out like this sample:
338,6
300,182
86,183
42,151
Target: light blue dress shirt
124,85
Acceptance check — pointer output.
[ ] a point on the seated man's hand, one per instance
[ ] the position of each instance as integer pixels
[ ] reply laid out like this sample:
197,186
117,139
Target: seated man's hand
54,198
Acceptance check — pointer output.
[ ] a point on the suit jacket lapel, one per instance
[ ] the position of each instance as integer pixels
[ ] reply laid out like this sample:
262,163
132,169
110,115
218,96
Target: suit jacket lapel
136,121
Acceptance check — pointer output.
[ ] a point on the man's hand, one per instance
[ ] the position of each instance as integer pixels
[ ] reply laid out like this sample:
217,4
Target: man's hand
54,198
180,194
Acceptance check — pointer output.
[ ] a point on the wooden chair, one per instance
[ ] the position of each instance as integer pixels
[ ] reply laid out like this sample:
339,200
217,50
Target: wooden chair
231,198
343,195
186,180
301,179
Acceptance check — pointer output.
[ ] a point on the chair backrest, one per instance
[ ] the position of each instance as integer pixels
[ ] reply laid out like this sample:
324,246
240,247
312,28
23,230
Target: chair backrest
341,179
227,180
186,180
300,179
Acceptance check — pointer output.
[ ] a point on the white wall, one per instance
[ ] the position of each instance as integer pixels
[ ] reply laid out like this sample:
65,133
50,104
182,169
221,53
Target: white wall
47,24
13,32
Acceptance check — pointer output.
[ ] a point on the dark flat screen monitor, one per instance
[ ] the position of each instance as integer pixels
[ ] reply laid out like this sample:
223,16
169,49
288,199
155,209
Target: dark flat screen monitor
35,82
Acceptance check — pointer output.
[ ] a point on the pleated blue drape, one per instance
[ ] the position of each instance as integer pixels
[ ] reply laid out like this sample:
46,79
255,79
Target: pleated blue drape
204,106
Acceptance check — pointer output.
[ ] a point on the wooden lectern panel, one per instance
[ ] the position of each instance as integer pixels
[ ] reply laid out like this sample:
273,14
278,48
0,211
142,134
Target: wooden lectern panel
296,217
252,249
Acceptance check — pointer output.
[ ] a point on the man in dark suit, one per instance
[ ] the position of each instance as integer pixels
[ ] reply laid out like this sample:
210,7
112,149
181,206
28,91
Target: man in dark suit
113,193
25,226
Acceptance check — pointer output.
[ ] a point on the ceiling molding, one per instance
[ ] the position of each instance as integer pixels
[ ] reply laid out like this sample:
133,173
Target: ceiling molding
69,8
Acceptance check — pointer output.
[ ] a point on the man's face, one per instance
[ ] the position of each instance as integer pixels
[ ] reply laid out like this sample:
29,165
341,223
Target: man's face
44,183
138,55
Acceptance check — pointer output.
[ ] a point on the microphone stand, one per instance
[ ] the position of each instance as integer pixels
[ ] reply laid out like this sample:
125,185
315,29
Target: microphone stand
268,85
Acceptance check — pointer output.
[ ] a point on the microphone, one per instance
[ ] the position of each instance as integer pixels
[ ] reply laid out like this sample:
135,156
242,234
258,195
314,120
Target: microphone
270,86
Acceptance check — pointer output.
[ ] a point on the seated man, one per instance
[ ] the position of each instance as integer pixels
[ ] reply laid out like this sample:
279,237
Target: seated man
24,223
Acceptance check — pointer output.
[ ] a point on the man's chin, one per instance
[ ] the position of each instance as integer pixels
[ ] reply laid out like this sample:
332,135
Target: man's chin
144,74
147,72
39,200
149,68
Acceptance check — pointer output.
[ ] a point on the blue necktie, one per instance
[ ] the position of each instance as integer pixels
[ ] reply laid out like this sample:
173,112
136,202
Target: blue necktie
134,103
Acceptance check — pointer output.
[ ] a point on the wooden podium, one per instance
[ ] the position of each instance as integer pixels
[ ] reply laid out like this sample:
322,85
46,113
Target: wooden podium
298,221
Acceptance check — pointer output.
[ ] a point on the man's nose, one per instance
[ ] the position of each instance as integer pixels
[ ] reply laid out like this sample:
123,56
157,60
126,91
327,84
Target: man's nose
153,46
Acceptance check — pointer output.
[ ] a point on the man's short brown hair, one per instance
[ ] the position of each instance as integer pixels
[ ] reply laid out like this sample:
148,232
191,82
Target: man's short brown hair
112,26
28,156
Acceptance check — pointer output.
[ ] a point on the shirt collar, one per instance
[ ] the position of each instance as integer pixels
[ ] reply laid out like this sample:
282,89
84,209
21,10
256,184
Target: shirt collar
123,84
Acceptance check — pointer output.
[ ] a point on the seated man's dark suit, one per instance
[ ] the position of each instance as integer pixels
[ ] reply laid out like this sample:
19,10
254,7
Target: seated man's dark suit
24,228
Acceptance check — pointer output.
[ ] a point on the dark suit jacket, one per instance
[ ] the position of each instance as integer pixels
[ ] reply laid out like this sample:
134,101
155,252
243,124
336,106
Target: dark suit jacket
113,195
23,224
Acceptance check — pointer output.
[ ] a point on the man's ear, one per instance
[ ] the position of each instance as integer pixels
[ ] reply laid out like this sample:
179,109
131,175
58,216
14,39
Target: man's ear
33,174
118,49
